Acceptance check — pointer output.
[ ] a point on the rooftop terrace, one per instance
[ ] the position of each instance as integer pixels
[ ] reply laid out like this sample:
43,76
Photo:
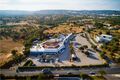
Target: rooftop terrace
51,44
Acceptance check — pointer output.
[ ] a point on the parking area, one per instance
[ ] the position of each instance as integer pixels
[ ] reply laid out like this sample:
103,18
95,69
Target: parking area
94,57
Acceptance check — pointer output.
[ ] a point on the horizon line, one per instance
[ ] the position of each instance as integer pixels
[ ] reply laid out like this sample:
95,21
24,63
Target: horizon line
63,9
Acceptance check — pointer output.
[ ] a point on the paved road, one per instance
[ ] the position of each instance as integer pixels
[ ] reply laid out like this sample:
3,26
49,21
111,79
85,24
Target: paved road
61,71
112,76
88,35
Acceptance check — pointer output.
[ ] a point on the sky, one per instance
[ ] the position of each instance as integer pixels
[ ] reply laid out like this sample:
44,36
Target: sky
34,5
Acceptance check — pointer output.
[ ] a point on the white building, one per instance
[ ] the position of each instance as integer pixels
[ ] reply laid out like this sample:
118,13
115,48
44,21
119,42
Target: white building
52,46
103,38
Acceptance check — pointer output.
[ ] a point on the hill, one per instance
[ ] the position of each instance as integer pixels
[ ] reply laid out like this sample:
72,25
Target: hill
55,12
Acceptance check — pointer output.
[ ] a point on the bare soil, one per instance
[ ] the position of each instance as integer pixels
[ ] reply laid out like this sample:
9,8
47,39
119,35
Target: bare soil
6,46
65,29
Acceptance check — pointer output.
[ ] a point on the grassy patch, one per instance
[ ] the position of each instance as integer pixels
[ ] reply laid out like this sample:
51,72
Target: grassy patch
65,28
98,78
8,45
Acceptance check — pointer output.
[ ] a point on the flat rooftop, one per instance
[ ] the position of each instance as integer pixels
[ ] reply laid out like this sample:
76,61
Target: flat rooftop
51,45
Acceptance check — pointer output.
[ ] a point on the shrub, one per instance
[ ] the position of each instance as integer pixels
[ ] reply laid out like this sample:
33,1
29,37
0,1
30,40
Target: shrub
14,52
41,77
28,63
102,72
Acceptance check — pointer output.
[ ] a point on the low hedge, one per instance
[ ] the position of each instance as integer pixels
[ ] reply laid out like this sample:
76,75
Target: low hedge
28,68
28,63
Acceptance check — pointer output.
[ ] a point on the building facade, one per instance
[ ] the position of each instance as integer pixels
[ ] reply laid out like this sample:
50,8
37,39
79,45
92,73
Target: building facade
103,38
50,47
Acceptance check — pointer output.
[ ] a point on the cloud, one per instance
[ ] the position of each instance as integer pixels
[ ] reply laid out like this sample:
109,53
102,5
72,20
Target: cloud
59,4
4,1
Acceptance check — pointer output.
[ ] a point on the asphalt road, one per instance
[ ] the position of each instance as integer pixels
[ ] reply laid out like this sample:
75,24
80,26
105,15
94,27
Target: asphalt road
60,71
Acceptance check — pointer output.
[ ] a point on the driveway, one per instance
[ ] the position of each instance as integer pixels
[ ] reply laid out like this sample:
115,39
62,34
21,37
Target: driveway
66,54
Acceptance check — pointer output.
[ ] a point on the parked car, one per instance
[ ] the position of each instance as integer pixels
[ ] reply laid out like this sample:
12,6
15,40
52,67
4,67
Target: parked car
69,73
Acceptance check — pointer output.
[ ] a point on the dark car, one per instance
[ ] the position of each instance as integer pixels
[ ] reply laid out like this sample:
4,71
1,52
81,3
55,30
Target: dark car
69,73
46,71
92,73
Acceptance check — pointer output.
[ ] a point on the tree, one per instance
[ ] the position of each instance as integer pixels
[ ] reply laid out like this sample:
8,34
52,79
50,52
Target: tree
102,72
85,46
98,25
41,77
100,33
108,32
84,76
83,29
87,53
55,36
71,48
28,78
14,52
94,47
81,48
102,54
